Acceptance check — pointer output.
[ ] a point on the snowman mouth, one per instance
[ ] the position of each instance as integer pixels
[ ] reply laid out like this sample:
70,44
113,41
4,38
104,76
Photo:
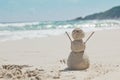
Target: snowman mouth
77,35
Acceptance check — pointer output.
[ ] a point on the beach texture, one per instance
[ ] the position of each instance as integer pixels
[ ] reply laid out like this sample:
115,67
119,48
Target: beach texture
45,58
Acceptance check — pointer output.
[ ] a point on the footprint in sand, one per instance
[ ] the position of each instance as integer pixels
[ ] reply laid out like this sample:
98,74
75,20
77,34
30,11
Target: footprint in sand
63,61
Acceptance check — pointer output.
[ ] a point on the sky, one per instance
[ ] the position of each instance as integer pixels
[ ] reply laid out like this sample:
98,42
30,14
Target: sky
51,10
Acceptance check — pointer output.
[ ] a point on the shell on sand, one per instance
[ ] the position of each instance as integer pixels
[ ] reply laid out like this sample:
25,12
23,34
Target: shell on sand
78,34
77,46
77,61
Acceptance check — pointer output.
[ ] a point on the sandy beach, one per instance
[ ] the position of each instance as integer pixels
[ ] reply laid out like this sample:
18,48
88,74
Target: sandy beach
50,55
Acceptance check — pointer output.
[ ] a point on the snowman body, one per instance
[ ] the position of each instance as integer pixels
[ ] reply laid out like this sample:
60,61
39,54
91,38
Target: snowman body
77,60
77,45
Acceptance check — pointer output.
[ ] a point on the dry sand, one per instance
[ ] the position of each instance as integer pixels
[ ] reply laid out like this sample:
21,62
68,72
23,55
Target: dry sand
50,55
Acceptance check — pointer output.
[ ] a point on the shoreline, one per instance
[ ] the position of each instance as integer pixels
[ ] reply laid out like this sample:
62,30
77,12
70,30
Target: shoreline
103,50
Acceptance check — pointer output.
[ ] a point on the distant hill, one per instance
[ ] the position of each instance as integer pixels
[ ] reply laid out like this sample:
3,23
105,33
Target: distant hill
113,13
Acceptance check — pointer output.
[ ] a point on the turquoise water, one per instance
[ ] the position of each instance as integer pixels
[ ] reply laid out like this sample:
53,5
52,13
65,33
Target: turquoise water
39,25
14,31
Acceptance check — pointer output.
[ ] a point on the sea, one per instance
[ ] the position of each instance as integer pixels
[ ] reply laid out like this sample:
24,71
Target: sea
30,30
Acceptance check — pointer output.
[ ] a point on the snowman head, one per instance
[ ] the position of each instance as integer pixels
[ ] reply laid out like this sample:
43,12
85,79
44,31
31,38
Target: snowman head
78,34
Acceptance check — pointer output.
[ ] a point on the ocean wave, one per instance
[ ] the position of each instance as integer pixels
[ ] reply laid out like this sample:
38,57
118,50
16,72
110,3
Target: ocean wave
14,31
57,25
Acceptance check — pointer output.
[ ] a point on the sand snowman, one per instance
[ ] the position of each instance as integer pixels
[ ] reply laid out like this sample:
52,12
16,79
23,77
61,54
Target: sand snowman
77,60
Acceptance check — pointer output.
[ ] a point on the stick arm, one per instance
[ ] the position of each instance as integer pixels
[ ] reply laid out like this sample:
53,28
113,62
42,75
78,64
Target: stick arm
68,36
89,37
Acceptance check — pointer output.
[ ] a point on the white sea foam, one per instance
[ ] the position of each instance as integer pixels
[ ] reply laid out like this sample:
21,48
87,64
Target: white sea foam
7,35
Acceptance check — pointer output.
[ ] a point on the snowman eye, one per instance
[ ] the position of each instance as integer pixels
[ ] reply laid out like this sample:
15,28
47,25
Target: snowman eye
74,31
77,31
